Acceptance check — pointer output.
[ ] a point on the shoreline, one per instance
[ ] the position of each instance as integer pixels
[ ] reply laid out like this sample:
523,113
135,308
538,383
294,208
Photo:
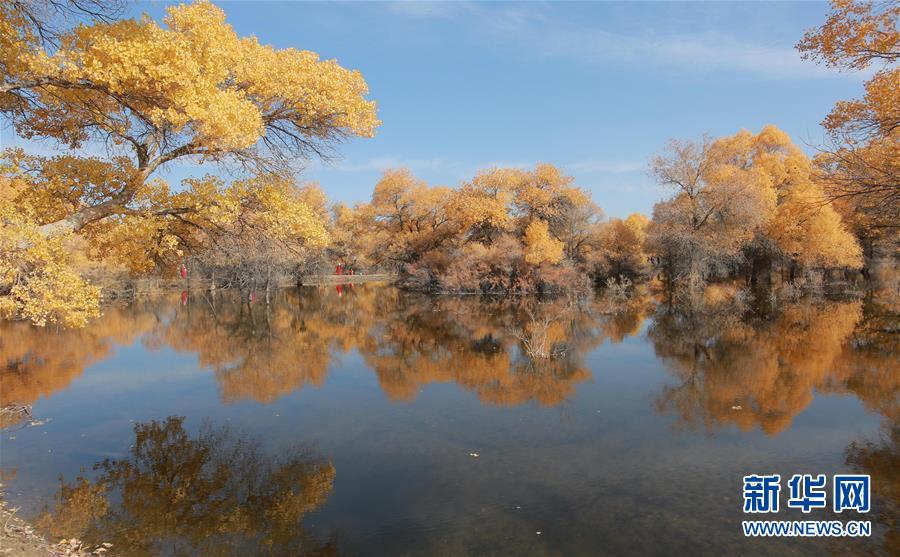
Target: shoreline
18,537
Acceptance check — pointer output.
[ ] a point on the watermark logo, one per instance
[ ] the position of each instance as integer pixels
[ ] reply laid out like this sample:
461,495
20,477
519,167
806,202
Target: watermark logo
806,492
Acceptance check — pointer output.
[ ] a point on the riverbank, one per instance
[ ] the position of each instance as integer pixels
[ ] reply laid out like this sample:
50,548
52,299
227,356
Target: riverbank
19,538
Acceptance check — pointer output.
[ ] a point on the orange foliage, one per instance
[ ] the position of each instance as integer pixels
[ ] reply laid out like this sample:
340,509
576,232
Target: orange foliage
860,169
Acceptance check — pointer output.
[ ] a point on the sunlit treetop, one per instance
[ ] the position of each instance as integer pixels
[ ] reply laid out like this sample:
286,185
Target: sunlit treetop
188,86
745,186
855,34
154,92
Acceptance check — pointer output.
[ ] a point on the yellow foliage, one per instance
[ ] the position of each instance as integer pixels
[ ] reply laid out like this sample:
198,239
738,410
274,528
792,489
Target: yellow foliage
744,187
193,76
811,232
406,217
185,87
620,247
855,34
860,169
539,246
484,202
546,193
37,281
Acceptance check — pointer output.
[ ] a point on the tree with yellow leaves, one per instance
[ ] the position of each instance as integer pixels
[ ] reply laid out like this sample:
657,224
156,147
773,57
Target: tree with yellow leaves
548,194
407,218
720,202
188,88
860,168
739,198
502,231
260,231
481,207
620,248
37,281
803,229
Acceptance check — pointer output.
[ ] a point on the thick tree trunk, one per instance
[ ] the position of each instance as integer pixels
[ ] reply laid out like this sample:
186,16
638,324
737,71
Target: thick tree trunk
115,204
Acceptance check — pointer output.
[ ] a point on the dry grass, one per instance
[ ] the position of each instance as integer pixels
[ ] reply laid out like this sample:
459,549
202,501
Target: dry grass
536,335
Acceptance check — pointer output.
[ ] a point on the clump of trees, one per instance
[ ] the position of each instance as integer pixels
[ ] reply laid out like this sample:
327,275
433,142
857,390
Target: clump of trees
749,206
505,230
742,204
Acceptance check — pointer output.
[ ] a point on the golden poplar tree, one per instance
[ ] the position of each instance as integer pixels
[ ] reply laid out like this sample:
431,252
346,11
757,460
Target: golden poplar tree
860,167
187,88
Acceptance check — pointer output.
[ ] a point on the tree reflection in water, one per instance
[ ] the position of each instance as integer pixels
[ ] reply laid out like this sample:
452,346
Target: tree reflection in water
35,362
881,460
213,493
264,351
477,345
871,371
731,370
763,373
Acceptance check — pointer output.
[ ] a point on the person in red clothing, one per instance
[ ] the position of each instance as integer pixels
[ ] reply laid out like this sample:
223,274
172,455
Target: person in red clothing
337,270
183,271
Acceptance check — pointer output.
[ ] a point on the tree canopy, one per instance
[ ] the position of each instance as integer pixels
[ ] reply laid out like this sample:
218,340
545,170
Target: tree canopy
860,167
742,194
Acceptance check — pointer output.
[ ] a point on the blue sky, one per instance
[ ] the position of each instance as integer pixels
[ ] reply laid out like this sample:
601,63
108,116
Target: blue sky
596,88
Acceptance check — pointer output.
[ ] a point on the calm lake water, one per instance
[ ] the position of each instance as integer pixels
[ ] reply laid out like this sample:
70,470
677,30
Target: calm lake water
347,422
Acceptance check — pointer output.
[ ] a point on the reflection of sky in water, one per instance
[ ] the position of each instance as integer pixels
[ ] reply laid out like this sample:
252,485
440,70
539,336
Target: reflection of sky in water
603,470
